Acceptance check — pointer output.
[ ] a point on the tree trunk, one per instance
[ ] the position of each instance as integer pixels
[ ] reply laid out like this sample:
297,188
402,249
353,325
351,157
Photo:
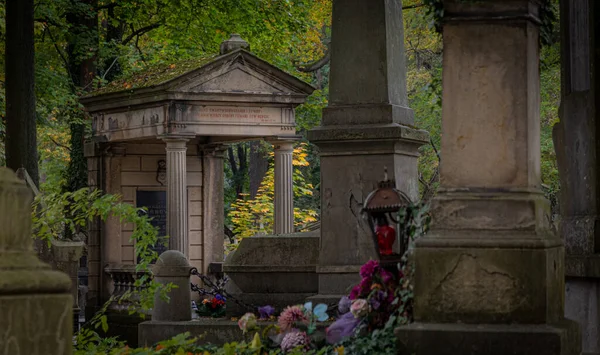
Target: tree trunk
259,164
21,141
239,167
82,49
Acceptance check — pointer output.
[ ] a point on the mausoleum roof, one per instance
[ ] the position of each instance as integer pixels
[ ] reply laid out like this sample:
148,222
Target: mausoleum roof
239,74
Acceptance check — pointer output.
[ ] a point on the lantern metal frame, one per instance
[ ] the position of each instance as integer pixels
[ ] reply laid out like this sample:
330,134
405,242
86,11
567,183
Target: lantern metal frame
387,201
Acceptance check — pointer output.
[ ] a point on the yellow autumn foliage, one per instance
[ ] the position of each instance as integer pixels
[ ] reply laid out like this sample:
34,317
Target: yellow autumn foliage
255,216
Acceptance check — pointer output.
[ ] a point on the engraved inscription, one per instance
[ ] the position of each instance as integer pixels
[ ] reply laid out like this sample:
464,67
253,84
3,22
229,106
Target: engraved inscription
240,114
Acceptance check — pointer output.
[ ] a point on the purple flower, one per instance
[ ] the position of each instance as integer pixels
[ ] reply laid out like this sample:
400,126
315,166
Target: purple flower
376,300
265,312
386,276
341,328
344,305
365,285
220,298
355,292
369,268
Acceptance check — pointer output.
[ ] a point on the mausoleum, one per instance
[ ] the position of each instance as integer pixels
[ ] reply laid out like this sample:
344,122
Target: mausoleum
158,140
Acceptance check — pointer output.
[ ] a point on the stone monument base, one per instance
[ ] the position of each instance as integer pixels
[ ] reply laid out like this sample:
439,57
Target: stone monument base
489,339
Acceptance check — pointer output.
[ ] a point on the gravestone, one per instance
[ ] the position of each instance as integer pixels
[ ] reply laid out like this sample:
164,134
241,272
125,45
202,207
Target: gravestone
156,203
35,301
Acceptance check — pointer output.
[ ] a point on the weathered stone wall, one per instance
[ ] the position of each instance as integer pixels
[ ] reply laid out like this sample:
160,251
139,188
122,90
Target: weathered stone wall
125,169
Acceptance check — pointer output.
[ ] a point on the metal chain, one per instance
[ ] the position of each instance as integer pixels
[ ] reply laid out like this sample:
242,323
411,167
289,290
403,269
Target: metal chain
217,288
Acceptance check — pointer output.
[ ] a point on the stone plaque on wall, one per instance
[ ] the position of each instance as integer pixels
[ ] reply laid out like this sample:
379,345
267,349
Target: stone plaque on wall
156,203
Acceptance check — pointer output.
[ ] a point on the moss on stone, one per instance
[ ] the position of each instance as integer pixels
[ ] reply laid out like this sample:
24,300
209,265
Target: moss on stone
153,76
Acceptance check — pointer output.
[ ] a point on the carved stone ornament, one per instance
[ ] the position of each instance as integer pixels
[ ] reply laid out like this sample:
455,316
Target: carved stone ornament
161,172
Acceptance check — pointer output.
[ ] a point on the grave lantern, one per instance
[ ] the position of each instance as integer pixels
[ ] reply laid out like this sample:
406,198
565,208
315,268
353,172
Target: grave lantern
383,208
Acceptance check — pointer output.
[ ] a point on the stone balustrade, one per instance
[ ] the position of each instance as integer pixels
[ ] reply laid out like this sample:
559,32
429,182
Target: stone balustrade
124,279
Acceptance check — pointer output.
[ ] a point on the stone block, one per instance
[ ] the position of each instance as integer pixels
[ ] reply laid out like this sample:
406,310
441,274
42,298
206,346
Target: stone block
281,269
195,193
195,223
484,339
139,179
484,277
195,252
582,297
195,237
490,209
130,163
36,324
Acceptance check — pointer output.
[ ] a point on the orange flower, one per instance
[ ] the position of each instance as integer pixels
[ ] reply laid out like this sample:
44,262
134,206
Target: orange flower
159,347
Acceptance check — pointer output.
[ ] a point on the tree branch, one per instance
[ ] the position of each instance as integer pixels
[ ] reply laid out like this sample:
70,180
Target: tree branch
59,144
141,31
314,66
60,53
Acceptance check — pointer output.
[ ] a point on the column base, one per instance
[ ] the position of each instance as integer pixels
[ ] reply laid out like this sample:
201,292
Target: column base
562,338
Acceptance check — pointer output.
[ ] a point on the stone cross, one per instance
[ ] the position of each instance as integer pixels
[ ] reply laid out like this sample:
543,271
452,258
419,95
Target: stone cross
35,302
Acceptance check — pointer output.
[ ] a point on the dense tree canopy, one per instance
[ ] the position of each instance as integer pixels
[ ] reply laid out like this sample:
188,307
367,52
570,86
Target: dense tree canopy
81,45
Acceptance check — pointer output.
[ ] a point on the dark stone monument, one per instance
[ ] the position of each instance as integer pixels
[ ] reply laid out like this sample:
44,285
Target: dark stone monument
156,203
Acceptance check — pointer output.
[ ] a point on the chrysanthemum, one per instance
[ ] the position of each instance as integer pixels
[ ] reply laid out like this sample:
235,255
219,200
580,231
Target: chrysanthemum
293,340
289,316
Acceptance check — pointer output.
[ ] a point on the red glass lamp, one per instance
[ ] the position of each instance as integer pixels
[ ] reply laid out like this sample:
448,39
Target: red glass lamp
382,207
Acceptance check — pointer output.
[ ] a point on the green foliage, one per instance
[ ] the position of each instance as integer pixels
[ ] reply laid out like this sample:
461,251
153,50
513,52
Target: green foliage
252,216
58,214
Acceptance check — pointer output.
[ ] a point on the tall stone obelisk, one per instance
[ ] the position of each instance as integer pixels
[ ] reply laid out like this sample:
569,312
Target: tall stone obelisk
367,126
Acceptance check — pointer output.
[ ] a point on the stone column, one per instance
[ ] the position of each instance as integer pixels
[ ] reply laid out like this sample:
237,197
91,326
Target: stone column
213,201
284,188
490,274
35,302
367,126
576,145
177,212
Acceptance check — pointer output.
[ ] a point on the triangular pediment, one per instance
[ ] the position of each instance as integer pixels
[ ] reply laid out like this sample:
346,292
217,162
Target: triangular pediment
240,76
235,76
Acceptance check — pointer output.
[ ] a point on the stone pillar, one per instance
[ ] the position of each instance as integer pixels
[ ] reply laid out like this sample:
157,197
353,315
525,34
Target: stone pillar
173,267
110,242
284,188
35,302
213,201
576,145
177,213
366,127
490,274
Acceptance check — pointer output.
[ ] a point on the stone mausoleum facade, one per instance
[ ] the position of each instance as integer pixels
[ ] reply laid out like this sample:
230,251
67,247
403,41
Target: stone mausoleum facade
158,141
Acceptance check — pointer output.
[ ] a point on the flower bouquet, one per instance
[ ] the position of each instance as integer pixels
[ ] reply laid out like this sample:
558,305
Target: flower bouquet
214,307
369,305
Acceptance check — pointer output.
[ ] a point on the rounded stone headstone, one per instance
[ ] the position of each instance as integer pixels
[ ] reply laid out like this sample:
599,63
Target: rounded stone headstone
35,301
173,267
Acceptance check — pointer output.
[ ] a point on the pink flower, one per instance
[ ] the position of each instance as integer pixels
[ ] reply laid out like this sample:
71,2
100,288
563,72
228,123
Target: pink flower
289,316
295,339
359,308
247,322
369,268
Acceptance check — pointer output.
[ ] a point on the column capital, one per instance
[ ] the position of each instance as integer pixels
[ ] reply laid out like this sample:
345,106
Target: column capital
213,150
283,143
492,10
179,137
